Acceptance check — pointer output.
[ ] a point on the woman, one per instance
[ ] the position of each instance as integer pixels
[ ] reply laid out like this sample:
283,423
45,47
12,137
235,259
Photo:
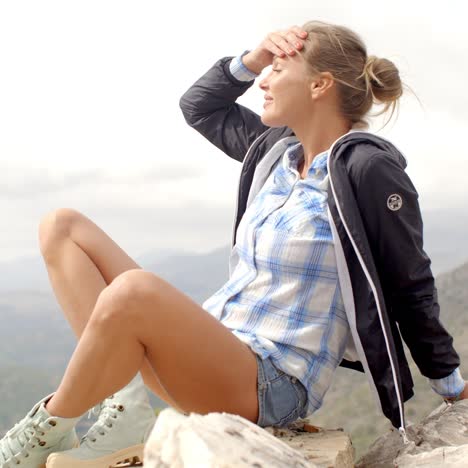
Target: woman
308,273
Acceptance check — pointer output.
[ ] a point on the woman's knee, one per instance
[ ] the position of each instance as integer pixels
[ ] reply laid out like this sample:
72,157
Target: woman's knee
124,297
54,227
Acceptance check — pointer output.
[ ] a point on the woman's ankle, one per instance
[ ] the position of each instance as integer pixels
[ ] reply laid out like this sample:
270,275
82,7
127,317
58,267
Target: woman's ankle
57,411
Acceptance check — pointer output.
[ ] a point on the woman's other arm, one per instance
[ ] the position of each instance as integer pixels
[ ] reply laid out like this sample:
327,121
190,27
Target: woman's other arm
209,106
396,241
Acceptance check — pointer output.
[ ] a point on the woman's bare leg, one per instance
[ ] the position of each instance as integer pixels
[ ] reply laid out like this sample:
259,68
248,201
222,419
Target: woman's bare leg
200,362
81,261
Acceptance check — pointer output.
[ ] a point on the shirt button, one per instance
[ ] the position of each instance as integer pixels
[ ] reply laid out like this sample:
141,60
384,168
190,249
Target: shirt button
293,380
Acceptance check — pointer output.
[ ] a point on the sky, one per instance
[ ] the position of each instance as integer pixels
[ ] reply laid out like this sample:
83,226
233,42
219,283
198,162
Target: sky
90,117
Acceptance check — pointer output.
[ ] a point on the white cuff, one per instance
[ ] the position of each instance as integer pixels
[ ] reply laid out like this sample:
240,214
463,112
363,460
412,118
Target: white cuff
240,71
450,386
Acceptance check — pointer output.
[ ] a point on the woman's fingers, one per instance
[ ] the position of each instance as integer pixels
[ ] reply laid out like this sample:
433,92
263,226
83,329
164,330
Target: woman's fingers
299,31
287,41
296,36
280,45
277,43
294,40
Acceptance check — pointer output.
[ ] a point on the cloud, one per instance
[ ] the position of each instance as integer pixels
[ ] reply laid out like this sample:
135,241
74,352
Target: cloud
18,183
194,226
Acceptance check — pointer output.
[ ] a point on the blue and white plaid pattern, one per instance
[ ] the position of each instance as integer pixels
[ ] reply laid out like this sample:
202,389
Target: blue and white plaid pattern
283,298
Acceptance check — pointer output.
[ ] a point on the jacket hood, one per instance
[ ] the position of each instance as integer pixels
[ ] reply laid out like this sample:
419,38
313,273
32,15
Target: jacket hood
356,137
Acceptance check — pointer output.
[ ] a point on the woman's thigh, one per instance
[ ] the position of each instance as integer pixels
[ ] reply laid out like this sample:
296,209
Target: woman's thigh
110,259
201,364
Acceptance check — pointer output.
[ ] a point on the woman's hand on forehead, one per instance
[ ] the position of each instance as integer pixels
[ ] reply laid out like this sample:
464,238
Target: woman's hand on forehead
276,44
286,42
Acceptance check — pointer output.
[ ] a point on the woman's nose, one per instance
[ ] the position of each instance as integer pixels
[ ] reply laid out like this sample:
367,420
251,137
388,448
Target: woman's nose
263,84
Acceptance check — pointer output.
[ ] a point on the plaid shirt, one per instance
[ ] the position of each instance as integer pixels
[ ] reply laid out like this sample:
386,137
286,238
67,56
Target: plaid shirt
283,298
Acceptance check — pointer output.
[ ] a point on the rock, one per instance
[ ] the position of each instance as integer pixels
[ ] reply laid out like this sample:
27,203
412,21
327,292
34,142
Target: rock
448,457
443,435
227,440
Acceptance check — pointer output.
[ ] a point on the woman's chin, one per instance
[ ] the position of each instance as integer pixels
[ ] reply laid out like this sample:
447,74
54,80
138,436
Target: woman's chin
270,121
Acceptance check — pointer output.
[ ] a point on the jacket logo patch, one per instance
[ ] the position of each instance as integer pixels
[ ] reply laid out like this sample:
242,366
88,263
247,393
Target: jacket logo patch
394,202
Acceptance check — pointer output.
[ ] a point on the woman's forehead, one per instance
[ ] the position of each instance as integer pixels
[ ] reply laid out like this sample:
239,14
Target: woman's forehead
296,58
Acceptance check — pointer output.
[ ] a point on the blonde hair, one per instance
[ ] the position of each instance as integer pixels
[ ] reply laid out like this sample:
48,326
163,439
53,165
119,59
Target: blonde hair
362,80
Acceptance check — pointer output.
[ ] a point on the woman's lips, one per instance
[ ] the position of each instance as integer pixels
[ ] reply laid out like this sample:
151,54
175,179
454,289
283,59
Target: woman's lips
267,101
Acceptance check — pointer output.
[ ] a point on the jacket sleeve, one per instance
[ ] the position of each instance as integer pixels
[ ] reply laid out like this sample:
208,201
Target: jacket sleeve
396,241
209,106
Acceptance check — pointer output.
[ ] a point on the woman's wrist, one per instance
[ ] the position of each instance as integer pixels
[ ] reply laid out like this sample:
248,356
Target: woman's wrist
252,62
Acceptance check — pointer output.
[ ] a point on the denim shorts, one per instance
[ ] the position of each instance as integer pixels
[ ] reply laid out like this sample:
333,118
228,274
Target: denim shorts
281,398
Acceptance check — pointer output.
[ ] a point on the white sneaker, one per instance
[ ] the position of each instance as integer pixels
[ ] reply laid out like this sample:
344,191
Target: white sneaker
123,426
36,436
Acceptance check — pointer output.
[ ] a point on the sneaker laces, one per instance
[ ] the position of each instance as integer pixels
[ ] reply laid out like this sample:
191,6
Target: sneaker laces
107,412
96,410
23,437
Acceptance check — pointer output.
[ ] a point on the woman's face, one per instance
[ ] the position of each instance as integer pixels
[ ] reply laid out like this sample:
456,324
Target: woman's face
287,91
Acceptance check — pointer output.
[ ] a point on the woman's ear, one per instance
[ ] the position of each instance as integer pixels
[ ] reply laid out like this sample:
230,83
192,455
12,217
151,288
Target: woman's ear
321,85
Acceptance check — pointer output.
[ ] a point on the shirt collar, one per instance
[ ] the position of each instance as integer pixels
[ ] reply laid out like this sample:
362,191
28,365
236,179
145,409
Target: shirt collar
295,154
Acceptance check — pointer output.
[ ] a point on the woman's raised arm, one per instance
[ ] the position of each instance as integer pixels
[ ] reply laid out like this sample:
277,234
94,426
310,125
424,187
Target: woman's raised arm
209,105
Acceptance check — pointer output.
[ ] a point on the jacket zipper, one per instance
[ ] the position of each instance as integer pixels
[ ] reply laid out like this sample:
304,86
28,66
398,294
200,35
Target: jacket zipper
402,428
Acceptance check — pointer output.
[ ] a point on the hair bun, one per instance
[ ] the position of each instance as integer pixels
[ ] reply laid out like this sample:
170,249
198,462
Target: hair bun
370,68
382,79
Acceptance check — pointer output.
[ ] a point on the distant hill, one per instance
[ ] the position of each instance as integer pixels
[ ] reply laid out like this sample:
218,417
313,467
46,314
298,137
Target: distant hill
199,275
